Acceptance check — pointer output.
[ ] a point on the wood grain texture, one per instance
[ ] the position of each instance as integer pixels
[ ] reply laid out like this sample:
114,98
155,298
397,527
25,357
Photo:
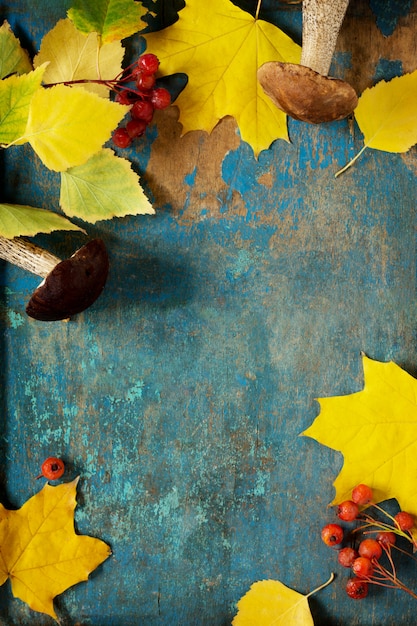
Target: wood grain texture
180,395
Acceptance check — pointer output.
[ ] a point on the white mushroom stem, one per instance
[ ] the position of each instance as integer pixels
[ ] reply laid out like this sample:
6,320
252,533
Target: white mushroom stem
28,256
322,20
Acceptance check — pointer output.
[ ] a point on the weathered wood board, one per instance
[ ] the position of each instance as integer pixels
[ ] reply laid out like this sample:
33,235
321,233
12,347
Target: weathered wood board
180,395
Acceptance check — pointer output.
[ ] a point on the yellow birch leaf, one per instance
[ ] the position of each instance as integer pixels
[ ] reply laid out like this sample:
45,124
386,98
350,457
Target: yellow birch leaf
17,220
221,48
13,59
387,116
271,603
104,187
67,125
376,431
72,55
111,19
16,93
40,551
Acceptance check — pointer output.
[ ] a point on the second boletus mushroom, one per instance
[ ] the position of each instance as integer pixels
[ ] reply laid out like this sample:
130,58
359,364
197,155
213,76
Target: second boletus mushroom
69,286
305,91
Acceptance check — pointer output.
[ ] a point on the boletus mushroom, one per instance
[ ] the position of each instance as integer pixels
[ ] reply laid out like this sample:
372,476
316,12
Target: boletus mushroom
305,91
69,286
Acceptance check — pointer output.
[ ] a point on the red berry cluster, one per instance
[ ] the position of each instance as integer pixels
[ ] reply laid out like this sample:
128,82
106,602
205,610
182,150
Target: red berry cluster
137,87
362,547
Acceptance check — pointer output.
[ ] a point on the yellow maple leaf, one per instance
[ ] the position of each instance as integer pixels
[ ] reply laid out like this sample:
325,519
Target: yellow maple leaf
387,114
72,55
67,125
40,551
271,603
220,48
376,431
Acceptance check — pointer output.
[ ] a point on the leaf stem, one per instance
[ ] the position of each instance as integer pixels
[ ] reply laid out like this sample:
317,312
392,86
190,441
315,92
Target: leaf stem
258,8
351,162
321,586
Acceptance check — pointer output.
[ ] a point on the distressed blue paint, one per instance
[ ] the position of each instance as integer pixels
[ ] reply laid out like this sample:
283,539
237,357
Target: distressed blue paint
179,397
388,13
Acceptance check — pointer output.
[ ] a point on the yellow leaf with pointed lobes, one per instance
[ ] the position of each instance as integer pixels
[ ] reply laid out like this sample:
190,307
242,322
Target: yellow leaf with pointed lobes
376,431
221,48
40,551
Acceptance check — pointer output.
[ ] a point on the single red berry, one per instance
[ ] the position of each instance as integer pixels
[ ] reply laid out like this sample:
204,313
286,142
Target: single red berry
145,82
160,98
404,520
136,128
386,538
121,138
52,468
148,63
347,510
142,110
357,588
362,567
362,494
332,534
123,97
346,556
370,548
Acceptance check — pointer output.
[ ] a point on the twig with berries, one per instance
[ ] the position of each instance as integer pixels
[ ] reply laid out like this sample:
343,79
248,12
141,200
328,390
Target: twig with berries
363,551
137,86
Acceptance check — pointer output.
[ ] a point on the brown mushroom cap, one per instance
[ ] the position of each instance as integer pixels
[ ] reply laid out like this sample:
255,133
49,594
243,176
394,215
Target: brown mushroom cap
305,94
72,286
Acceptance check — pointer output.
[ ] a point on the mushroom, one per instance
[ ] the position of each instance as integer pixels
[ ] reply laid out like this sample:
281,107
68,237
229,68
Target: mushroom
69,286
305,92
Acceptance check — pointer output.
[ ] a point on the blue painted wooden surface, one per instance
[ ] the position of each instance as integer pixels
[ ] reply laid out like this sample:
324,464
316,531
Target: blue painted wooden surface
179,397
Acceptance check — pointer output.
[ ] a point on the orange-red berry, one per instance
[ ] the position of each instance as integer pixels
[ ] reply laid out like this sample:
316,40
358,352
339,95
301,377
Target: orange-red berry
405,521
357,588
347,511
362,494
332,534
52,468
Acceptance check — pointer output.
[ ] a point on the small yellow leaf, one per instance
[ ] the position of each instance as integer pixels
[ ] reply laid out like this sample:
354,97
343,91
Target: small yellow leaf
72,55
221,48
104,187
16,220
386,115
40,551
16,93
67,125
376,431
271,603
13,59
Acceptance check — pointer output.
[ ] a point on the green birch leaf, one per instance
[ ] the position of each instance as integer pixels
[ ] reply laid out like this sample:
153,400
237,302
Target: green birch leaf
13,59
22,220
111,19
102,188
16,93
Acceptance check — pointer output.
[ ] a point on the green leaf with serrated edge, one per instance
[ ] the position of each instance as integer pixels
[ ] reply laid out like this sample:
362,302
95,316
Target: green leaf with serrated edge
16,93
22,220
102,188
67,125
72,55
111,19
13,59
